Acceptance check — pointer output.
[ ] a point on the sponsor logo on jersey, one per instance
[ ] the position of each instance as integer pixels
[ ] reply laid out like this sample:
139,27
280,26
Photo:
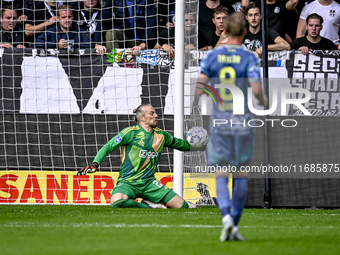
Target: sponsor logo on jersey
118,139
148,154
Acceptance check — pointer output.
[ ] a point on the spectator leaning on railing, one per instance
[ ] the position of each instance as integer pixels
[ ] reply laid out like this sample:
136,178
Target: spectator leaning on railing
313,40
130,23
90,19
41,17
329,10
10,36
166,40
165,10
66,34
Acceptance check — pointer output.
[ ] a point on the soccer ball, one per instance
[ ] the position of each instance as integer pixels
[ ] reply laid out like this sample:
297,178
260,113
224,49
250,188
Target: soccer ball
197,137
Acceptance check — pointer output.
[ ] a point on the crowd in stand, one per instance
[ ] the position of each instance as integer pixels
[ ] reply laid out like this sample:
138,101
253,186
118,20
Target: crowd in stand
150,24
292,24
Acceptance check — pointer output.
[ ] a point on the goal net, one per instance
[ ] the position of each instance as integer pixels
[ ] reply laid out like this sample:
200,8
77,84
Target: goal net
60,105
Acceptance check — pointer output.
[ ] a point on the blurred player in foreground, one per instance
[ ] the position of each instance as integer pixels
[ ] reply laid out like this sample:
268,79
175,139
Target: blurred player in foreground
231,145
142,148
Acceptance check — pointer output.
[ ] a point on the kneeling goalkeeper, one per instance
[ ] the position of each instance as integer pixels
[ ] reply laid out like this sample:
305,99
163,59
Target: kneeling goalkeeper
142,147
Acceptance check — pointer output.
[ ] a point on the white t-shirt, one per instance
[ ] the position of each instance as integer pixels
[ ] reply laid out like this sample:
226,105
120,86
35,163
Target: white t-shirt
330,15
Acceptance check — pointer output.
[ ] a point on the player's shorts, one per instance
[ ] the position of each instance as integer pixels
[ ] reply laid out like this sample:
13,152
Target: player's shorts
234,150
152,190
230,145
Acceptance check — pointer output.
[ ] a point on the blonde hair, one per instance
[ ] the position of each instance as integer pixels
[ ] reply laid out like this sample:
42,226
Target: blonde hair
63,8
234,24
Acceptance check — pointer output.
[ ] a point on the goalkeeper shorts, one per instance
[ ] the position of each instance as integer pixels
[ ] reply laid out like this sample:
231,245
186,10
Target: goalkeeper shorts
152,190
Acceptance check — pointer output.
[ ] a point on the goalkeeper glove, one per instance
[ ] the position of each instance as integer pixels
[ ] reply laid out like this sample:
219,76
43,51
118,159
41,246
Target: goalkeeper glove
88,169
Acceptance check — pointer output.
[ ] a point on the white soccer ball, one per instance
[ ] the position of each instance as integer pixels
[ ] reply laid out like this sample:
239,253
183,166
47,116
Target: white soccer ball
197,137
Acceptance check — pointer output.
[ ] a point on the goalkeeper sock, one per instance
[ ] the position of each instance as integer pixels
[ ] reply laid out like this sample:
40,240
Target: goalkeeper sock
239,198
184,205
130,203
222,192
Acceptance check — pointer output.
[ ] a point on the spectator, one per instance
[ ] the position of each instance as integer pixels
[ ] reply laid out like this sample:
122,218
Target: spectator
89,19
165,14
131,23
41,17
253,39
166,39
292,18
10,36
329,11
19,5
65,32
206,13
219,14
313,40
277,12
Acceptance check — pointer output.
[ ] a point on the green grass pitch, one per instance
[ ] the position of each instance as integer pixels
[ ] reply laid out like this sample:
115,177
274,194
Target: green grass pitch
81,229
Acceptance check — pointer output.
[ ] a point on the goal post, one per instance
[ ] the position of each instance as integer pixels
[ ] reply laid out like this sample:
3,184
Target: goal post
189,184
179,98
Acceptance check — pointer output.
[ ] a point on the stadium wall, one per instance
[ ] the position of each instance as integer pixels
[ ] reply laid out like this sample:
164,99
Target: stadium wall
65,187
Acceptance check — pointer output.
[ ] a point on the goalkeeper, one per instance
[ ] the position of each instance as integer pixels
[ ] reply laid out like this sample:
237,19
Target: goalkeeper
142,148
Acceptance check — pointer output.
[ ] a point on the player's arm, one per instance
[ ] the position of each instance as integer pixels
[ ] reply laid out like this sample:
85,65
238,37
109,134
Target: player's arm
201,80
258,92
223,40
106,150
254,78
120,139
101,155
176,143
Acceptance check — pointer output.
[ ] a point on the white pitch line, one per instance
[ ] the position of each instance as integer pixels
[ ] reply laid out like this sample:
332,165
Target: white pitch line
303,214
101,225
124,225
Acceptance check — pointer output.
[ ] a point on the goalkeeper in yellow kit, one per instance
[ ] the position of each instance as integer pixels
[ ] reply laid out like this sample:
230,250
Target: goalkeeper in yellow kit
142,147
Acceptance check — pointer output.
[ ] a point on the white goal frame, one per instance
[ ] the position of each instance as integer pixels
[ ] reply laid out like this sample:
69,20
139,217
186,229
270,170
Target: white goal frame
179,98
